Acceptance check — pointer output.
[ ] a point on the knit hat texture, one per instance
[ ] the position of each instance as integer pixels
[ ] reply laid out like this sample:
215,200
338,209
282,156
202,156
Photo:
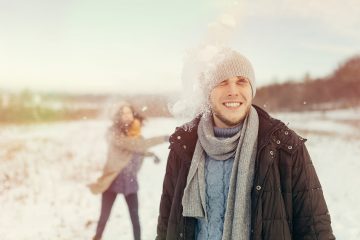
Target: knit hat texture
226,64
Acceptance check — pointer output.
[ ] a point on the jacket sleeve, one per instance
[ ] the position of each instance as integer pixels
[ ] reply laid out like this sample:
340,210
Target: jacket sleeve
311,218
167,195
139,145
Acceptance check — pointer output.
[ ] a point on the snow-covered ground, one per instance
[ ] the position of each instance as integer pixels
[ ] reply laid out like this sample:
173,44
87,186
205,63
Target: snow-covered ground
44,170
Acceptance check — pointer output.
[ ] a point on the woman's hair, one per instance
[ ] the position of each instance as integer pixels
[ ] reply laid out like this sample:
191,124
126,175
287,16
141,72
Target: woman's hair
117,122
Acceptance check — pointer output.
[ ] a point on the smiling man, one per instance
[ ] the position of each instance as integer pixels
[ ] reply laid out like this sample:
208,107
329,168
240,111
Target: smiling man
230,101
237,173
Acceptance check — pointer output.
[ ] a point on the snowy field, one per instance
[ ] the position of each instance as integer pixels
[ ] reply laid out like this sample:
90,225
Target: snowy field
44,170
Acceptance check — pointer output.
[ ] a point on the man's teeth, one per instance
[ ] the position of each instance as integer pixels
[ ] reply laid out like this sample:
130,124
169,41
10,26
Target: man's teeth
232,104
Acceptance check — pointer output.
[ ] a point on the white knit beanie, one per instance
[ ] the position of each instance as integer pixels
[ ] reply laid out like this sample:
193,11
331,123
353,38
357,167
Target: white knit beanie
226,64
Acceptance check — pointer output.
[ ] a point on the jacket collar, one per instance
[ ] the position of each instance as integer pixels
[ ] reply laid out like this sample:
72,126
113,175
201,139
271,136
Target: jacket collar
267,126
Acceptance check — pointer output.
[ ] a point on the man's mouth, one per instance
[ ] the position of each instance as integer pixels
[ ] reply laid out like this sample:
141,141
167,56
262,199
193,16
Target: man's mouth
232,104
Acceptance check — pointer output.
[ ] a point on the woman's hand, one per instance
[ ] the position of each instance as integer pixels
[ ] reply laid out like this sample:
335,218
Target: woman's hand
156,159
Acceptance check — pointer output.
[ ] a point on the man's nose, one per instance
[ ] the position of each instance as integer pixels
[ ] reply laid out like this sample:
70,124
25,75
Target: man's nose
232,90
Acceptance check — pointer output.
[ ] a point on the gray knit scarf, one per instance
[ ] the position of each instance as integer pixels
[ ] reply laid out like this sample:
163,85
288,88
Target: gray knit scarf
238,208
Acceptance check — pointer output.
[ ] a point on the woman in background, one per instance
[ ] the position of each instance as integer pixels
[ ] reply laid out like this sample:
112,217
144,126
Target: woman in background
126,151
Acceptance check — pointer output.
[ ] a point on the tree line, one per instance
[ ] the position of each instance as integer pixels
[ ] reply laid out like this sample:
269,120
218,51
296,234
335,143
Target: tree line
341,89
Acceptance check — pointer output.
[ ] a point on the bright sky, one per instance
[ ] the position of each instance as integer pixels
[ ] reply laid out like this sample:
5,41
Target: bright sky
138,46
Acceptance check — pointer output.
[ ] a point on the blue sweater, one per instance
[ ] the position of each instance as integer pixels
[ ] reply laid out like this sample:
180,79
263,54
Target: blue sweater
217,180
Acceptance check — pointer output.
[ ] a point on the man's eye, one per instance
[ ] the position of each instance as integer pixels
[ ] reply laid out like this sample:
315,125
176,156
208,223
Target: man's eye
242,81
223,83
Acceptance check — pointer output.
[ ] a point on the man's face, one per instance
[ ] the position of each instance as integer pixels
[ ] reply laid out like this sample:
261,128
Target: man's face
230,101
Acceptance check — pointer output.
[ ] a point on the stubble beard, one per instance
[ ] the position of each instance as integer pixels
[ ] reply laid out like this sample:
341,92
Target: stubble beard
227,121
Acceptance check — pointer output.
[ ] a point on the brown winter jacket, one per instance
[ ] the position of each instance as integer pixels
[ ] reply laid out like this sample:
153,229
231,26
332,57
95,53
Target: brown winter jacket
287,201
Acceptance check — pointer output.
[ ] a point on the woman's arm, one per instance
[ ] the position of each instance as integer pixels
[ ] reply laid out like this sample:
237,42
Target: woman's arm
139,145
